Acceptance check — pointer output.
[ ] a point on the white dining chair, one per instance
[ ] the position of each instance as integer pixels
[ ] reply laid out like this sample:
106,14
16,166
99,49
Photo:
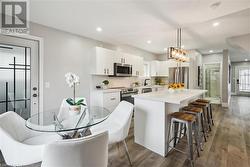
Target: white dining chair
117,124
20,145
90,151
64,108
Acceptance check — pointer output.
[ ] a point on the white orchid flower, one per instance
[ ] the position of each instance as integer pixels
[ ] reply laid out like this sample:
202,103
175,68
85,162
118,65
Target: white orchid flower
72,79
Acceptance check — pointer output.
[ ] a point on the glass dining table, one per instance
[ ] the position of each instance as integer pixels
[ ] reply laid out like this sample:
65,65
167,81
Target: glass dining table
66,123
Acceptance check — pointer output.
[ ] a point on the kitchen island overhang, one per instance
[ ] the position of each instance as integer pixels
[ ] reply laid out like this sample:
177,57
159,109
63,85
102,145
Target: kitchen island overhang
151,116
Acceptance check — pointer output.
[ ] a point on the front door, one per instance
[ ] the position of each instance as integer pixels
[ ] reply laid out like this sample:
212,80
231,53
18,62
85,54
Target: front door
19,76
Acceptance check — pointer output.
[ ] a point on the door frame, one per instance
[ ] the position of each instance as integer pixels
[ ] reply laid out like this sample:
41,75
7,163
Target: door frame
41,60
204,77
237,90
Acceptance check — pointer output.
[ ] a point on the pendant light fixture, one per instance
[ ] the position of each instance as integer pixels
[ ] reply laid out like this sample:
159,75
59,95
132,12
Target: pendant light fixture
178,53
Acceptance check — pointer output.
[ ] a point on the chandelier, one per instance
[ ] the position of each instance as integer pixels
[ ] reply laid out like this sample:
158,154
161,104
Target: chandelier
177,53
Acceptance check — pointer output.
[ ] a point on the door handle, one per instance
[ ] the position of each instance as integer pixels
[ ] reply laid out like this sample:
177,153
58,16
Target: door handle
113,98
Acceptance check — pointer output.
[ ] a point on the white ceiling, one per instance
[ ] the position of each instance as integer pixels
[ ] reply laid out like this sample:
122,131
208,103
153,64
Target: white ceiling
133,22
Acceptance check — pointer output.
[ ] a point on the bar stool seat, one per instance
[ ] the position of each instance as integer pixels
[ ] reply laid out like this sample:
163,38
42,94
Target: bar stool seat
199,103
183,116
203,101
193,109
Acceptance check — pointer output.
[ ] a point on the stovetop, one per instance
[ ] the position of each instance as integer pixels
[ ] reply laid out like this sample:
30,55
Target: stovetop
126,90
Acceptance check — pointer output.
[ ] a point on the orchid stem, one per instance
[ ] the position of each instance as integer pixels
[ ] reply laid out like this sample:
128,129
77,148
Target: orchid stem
74,93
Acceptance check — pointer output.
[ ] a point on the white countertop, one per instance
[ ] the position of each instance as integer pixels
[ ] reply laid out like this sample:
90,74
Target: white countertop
108,90
149,86
174,97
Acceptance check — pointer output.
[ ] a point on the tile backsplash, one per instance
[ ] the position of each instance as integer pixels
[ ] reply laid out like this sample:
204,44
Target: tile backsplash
120,81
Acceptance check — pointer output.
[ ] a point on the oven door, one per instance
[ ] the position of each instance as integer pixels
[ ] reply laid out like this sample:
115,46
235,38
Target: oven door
123,70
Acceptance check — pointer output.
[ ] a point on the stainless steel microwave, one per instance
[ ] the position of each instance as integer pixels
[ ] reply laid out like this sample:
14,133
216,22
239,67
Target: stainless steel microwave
122,70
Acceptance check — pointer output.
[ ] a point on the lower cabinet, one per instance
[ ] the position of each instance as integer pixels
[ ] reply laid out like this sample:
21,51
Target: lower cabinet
108,99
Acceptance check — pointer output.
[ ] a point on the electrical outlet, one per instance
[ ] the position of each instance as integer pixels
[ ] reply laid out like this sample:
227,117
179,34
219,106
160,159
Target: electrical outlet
47,85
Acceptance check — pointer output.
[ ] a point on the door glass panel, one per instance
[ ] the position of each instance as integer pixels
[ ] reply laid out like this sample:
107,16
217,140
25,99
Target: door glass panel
244,78
15,80
212,81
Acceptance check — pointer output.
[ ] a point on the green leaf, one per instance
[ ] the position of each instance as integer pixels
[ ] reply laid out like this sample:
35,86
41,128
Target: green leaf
70,101
83,104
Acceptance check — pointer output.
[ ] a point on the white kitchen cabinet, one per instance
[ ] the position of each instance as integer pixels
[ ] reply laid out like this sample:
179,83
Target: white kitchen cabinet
102,61
158,68
108,99
154,68
163,69
137,66
124,58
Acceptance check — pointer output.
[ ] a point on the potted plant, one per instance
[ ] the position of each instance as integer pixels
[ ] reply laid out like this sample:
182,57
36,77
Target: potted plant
74,105
105,84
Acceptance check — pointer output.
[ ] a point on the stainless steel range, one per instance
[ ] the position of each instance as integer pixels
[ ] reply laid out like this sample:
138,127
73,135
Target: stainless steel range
127,93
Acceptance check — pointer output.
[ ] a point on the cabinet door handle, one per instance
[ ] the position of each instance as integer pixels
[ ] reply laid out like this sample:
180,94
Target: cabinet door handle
113,98
104,70
108,71
121,60
124,60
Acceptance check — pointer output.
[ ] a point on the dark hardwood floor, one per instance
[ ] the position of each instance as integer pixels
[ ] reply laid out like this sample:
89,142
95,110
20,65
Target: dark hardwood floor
228,144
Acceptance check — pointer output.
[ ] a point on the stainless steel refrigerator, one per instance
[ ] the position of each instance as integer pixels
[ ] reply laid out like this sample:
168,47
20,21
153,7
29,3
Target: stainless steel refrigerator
183,76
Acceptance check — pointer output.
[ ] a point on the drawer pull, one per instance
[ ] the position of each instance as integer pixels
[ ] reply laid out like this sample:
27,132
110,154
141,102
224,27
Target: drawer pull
113,98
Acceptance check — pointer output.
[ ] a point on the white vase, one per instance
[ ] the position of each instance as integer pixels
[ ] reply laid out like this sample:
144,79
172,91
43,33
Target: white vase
75,109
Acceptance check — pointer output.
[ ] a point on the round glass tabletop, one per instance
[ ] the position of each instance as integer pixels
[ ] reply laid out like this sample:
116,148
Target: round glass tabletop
65,120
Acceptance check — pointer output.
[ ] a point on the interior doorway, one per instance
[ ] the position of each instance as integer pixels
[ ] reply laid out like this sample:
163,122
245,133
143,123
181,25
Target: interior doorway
19,76
212,82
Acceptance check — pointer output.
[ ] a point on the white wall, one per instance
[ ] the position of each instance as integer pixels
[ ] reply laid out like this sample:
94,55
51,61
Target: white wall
65,52
195,61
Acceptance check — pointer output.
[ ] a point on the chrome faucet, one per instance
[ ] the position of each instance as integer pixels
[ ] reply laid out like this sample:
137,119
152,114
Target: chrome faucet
145,82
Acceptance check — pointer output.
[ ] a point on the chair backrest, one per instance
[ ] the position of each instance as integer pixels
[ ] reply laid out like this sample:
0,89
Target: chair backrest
13,125
122,116
63,112
91,151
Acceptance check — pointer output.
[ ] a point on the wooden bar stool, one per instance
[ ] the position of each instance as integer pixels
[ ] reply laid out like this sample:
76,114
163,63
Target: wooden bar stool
189,120
206,112
198,112
210,108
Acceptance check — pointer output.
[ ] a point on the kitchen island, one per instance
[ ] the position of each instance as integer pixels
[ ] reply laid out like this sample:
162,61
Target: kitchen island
151,116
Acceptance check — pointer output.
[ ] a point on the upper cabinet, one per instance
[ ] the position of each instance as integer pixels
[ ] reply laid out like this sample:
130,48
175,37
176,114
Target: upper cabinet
102,61
137,66
158,68
161,68
154,68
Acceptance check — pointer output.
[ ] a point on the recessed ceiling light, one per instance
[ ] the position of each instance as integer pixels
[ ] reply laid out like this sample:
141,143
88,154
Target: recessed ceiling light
149,42
211,51
99,29
246,59
165,49
215,24
215,5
